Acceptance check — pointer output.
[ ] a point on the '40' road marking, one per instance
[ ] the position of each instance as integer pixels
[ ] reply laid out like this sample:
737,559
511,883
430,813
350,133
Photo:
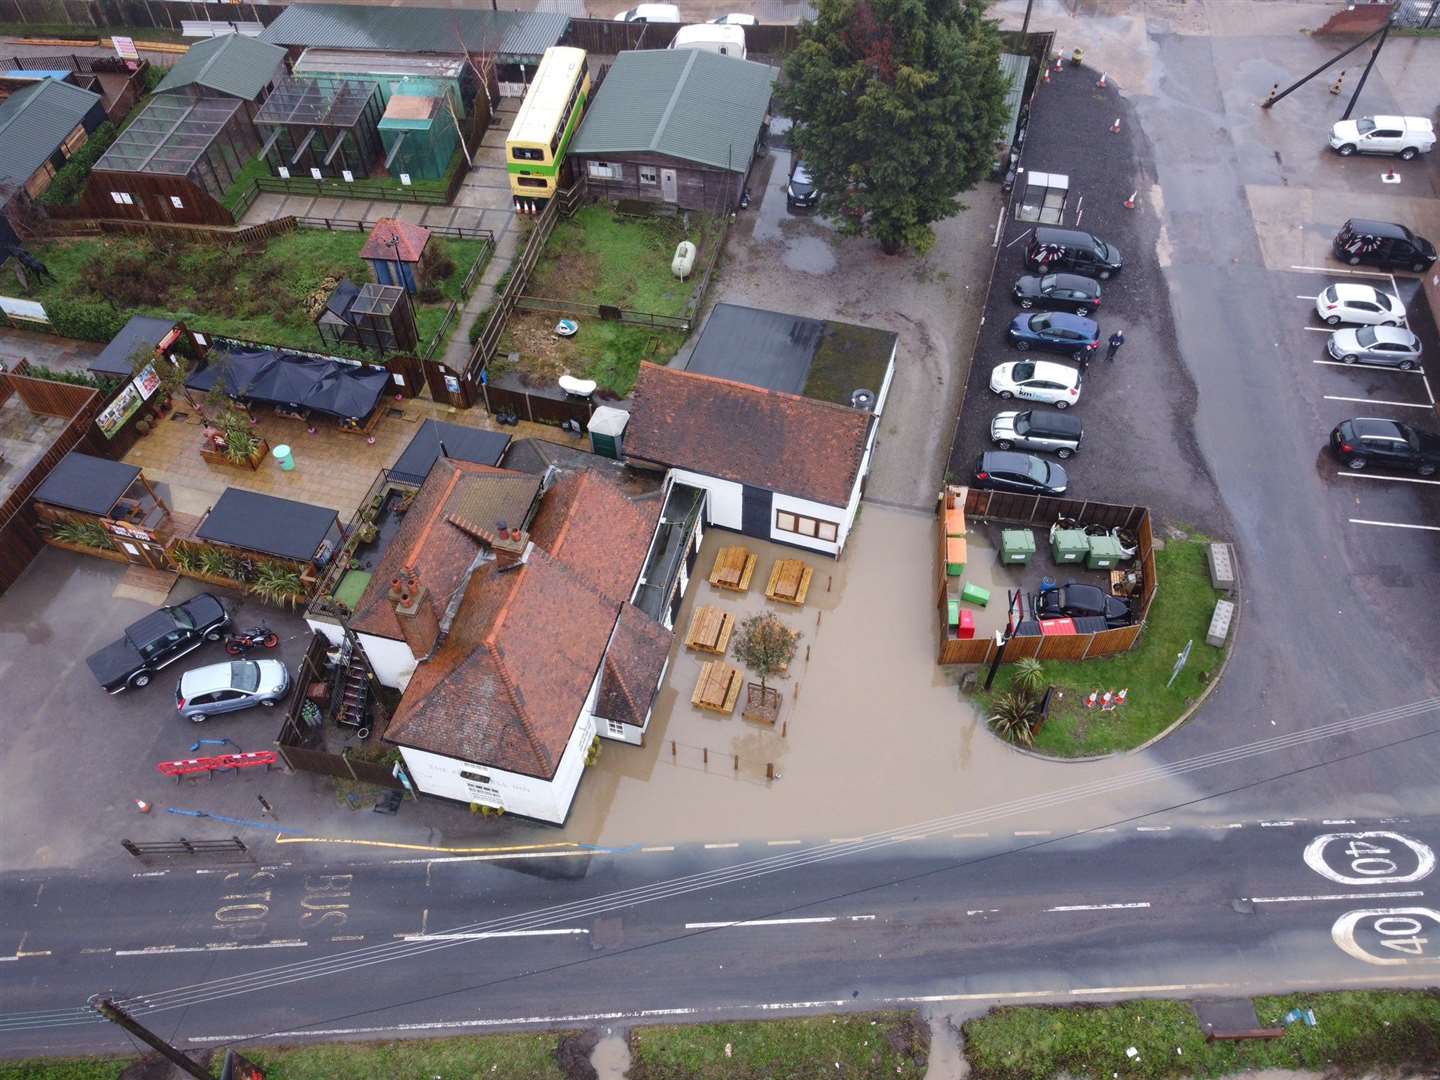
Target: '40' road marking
1397,929
1369,861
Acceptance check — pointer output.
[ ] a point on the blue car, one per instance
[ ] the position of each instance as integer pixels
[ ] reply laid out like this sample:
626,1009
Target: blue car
1057,331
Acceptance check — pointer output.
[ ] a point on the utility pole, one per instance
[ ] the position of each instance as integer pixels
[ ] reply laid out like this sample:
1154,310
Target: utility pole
112,1012
1025,26
1384,33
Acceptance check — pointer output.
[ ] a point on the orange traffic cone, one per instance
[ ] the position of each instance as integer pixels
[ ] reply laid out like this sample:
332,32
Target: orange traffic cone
142,806
1130,202
1120,697
1101,83
1115,127
1090,701
1046,79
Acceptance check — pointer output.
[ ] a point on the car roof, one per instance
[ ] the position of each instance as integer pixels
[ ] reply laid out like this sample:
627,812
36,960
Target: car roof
207,679
1055,422
1378,228
1049,234
1071,322
1391,333
1075,281
1353,290
1006,461
1048,369
1378,427
1076,586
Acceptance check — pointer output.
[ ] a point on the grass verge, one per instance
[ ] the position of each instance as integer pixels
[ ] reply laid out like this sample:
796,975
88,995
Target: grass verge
1356,1032
861,1046
1180,613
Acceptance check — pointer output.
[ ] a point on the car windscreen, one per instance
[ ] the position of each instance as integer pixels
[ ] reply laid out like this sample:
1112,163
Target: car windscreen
245,675
1364,125
1048,282
1022,423
1022,371
1329,295
1037,470
1366,336
182,618
1101,248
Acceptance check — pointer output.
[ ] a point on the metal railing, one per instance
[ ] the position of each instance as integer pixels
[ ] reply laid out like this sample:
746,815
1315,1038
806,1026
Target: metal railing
230,846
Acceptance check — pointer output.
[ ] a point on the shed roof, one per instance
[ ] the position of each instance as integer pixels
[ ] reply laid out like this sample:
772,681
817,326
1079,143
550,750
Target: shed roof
317,101
169,135
92,485
141,332
35,121
268,524
1016,69
455,441
392,239
634,663
233,64
685,103
417,29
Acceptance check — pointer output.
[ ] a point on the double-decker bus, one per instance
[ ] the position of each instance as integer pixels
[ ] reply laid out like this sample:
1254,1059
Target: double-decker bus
535,148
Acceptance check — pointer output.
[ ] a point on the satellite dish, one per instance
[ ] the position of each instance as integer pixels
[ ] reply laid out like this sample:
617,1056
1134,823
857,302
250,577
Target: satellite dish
862,399
577,387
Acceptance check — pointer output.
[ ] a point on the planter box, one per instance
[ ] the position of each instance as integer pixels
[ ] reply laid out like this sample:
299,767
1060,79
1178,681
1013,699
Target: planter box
253,462
761,706
100,553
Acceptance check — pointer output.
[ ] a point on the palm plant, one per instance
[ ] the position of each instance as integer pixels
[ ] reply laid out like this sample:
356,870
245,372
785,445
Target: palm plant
185,558
1029,675
212,562
89,534
1013,717
276,583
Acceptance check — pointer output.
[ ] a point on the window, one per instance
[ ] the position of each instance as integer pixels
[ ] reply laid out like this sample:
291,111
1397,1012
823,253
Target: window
603,170
120,198
74,140
479,778
530,181
649,174
176,203
616,728
527,153
814,528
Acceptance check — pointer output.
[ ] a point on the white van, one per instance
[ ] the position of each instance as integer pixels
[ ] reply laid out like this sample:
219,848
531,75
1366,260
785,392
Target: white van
725,40
661,13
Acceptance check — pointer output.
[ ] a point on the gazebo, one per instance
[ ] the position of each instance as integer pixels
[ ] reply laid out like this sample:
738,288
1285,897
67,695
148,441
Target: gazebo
85,488
270,525
393,250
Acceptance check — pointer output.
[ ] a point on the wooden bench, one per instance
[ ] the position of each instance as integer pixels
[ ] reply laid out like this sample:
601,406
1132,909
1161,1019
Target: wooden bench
789,581
734,566
710,630
718,688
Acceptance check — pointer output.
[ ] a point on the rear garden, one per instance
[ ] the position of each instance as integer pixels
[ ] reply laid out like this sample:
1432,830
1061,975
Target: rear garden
601,257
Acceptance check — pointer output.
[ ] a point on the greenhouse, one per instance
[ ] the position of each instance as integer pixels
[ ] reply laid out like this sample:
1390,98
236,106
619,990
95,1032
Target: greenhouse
321,127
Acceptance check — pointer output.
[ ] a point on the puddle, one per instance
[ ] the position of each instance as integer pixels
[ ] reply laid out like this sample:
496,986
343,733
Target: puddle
611,1056
809,255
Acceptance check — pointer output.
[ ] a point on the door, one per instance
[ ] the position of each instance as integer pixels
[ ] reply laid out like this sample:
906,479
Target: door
669,187
755,512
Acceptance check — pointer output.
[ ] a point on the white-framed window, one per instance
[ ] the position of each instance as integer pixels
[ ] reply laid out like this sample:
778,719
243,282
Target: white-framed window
604,170
649,174
616,728
122,198
175,202
801,525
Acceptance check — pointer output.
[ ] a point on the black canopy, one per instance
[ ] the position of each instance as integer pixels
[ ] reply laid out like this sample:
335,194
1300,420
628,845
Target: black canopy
141,332
349,391
269,524
92,485
461,444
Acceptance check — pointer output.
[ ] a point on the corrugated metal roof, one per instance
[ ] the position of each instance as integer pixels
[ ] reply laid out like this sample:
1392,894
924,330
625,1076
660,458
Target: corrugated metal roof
412,29
35,121
686,103
230,64
1016,69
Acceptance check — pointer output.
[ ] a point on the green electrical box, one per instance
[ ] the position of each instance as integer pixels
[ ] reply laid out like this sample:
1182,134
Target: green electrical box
1017,546
1105,553
1069,546
974,594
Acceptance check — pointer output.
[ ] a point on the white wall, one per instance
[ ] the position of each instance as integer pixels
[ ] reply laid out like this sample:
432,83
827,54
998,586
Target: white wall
629,733
723,506
392,660
331,632
889,378
813,510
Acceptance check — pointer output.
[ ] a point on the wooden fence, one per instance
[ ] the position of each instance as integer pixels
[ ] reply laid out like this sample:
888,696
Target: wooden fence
159,14
606,37
602,311
540,404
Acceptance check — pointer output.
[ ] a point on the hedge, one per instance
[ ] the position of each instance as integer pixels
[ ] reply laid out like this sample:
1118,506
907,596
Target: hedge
69,181
83,319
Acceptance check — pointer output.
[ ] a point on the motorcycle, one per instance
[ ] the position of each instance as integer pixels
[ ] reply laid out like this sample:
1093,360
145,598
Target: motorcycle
256,637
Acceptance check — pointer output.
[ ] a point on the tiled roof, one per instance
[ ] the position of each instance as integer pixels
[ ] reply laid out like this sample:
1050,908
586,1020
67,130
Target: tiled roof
588,522
633,664
750,435
232,64
438,550
510,681
393,239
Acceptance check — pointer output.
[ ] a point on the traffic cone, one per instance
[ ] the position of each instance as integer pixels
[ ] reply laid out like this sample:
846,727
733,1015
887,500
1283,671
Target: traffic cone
1115,127
1046,79
142,806
1090,701
1120,697
1101,83
1335,86
1390,176
1107,701
1059,63
1130,202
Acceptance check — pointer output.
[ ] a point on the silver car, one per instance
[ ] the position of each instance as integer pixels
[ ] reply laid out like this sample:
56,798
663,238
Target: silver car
230,687
1037,429
1391,346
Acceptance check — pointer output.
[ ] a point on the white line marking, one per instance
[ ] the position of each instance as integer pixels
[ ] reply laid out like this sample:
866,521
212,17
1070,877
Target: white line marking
1035,832
982,911
212,871
556,932
92,952
1232,825
1397,479
494,858
218,946
970,835
1100,907
1104,830
846,839
783,843
1370,367
1341,270
1276,824
1338,821
1318,329
1331,896
8,959
1162,989
1377,401
660,847
779,922
1304,298
348,937
1152,828
1426,380
730,845
1394,524
151,873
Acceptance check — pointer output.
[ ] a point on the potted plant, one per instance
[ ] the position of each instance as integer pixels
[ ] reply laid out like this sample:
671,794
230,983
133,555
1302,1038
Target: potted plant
766,646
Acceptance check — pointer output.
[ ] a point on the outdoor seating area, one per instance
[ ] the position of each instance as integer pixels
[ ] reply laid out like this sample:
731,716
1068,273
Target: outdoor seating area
789,581
710,630
733,569
718,687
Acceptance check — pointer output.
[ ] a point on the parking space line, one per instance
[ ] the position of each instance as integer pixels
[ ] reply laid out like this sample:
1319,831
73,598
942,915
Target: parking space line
1394,524
1425,379
1397,479
1340,270
1377,401
1304,298
1373,367
1319,329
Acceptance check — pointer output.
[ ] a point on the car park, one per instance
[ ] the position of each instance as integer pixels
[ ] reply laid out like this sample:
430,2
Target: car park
1037,380
1388,346
1075,600
1054,331
1002,470
1070,249
1404,136
1382,243
1368,440
1037,429
800,191
1058,292
1352,302
160,638
648,13
230,687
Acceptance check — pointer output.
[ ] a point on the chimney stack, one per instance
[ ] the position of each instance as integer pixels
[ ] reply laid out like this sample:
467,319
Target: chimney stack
415,611
509,546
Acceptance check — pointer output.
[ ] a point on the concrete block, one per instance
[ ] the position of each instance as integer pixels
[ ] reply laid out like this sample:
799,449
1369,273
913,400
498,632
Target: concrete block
1220,623
1221,559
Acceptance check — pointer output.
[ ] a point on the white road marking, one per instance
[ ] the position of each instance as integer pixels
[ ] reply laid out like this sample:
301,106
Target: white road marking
1104,830
1341,270
1370,367
1170,988
92,952
348,937
1100,907
660,847
970,835
1426,380
1304,298
1338,821
494,858
1377,401
982,911
1396,479
555,932
783,843
1319,329
151,873
708,846
1035,832
1394,524
1363,844
1331,896
1152,828
846,839
779,922
1276,824
217,946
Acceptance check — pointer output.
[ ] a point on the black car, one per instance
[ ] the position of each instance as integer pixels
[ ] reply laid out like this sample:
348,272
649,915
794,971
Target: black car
1001,470
801,192
1075,601
1058,292
1368,440
1052,249
1382,243
158,639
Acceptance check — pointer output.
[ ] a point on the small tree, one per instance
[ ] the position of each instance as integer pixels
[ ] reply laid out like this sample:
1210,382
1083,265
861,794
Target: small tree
1029,675
765,645
1013,717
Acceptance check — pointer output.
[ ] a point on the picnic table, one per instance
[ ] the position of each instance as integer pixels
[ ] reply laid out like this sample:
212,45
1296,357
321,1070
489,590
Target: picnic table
710,630
789,581
718,688
733,568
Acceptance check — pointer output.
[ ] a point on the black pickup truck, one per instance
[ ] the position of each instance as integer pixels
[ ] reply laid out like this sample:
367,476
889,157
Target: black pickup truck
156,640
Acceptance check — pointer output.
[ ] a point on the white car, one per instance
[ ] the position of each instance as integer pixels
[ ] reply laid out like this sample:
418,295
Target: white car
1348,302
648,13
1037,380
1402,135
736,18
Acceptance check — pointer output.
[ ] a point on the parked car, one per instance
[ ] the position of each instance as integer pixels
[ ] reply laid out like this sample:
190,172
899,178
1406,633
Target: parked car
1405,136
801,192
725,40
1070,249
1058,292
230,687
1382,243
160,638
1349,302
1055,331
1037,380
1000,470
1077,601
736,18
1368,440
1390,346
657,13
1037,429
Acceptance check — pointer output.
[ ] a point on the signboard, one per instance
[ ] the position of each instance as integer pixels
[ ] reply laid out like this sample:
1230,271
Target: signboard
347,176
284,173
23,309
147,382
405,179
452,384
125,405
125,48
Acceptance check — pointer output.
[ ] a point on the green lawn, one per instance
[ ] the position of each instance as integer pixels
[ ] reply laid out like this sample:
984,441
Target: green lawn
1180,613
1356,1032
866,1045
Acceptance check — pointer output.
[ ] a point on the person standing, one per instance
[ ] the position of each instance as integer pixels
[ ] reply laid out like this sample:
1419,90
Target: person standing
1116,340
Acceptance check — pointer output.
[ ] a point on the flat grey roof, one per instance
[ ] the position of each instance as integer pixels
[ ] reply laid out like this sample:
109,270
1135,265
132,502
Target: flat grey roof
417,29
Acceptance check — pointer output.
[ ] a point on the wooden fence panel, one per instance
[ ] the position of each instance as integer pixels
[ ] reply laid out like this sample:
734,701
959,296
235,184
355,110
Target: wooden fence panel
966,650
50,398
1109,642
536,406
1018,648
1063,648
